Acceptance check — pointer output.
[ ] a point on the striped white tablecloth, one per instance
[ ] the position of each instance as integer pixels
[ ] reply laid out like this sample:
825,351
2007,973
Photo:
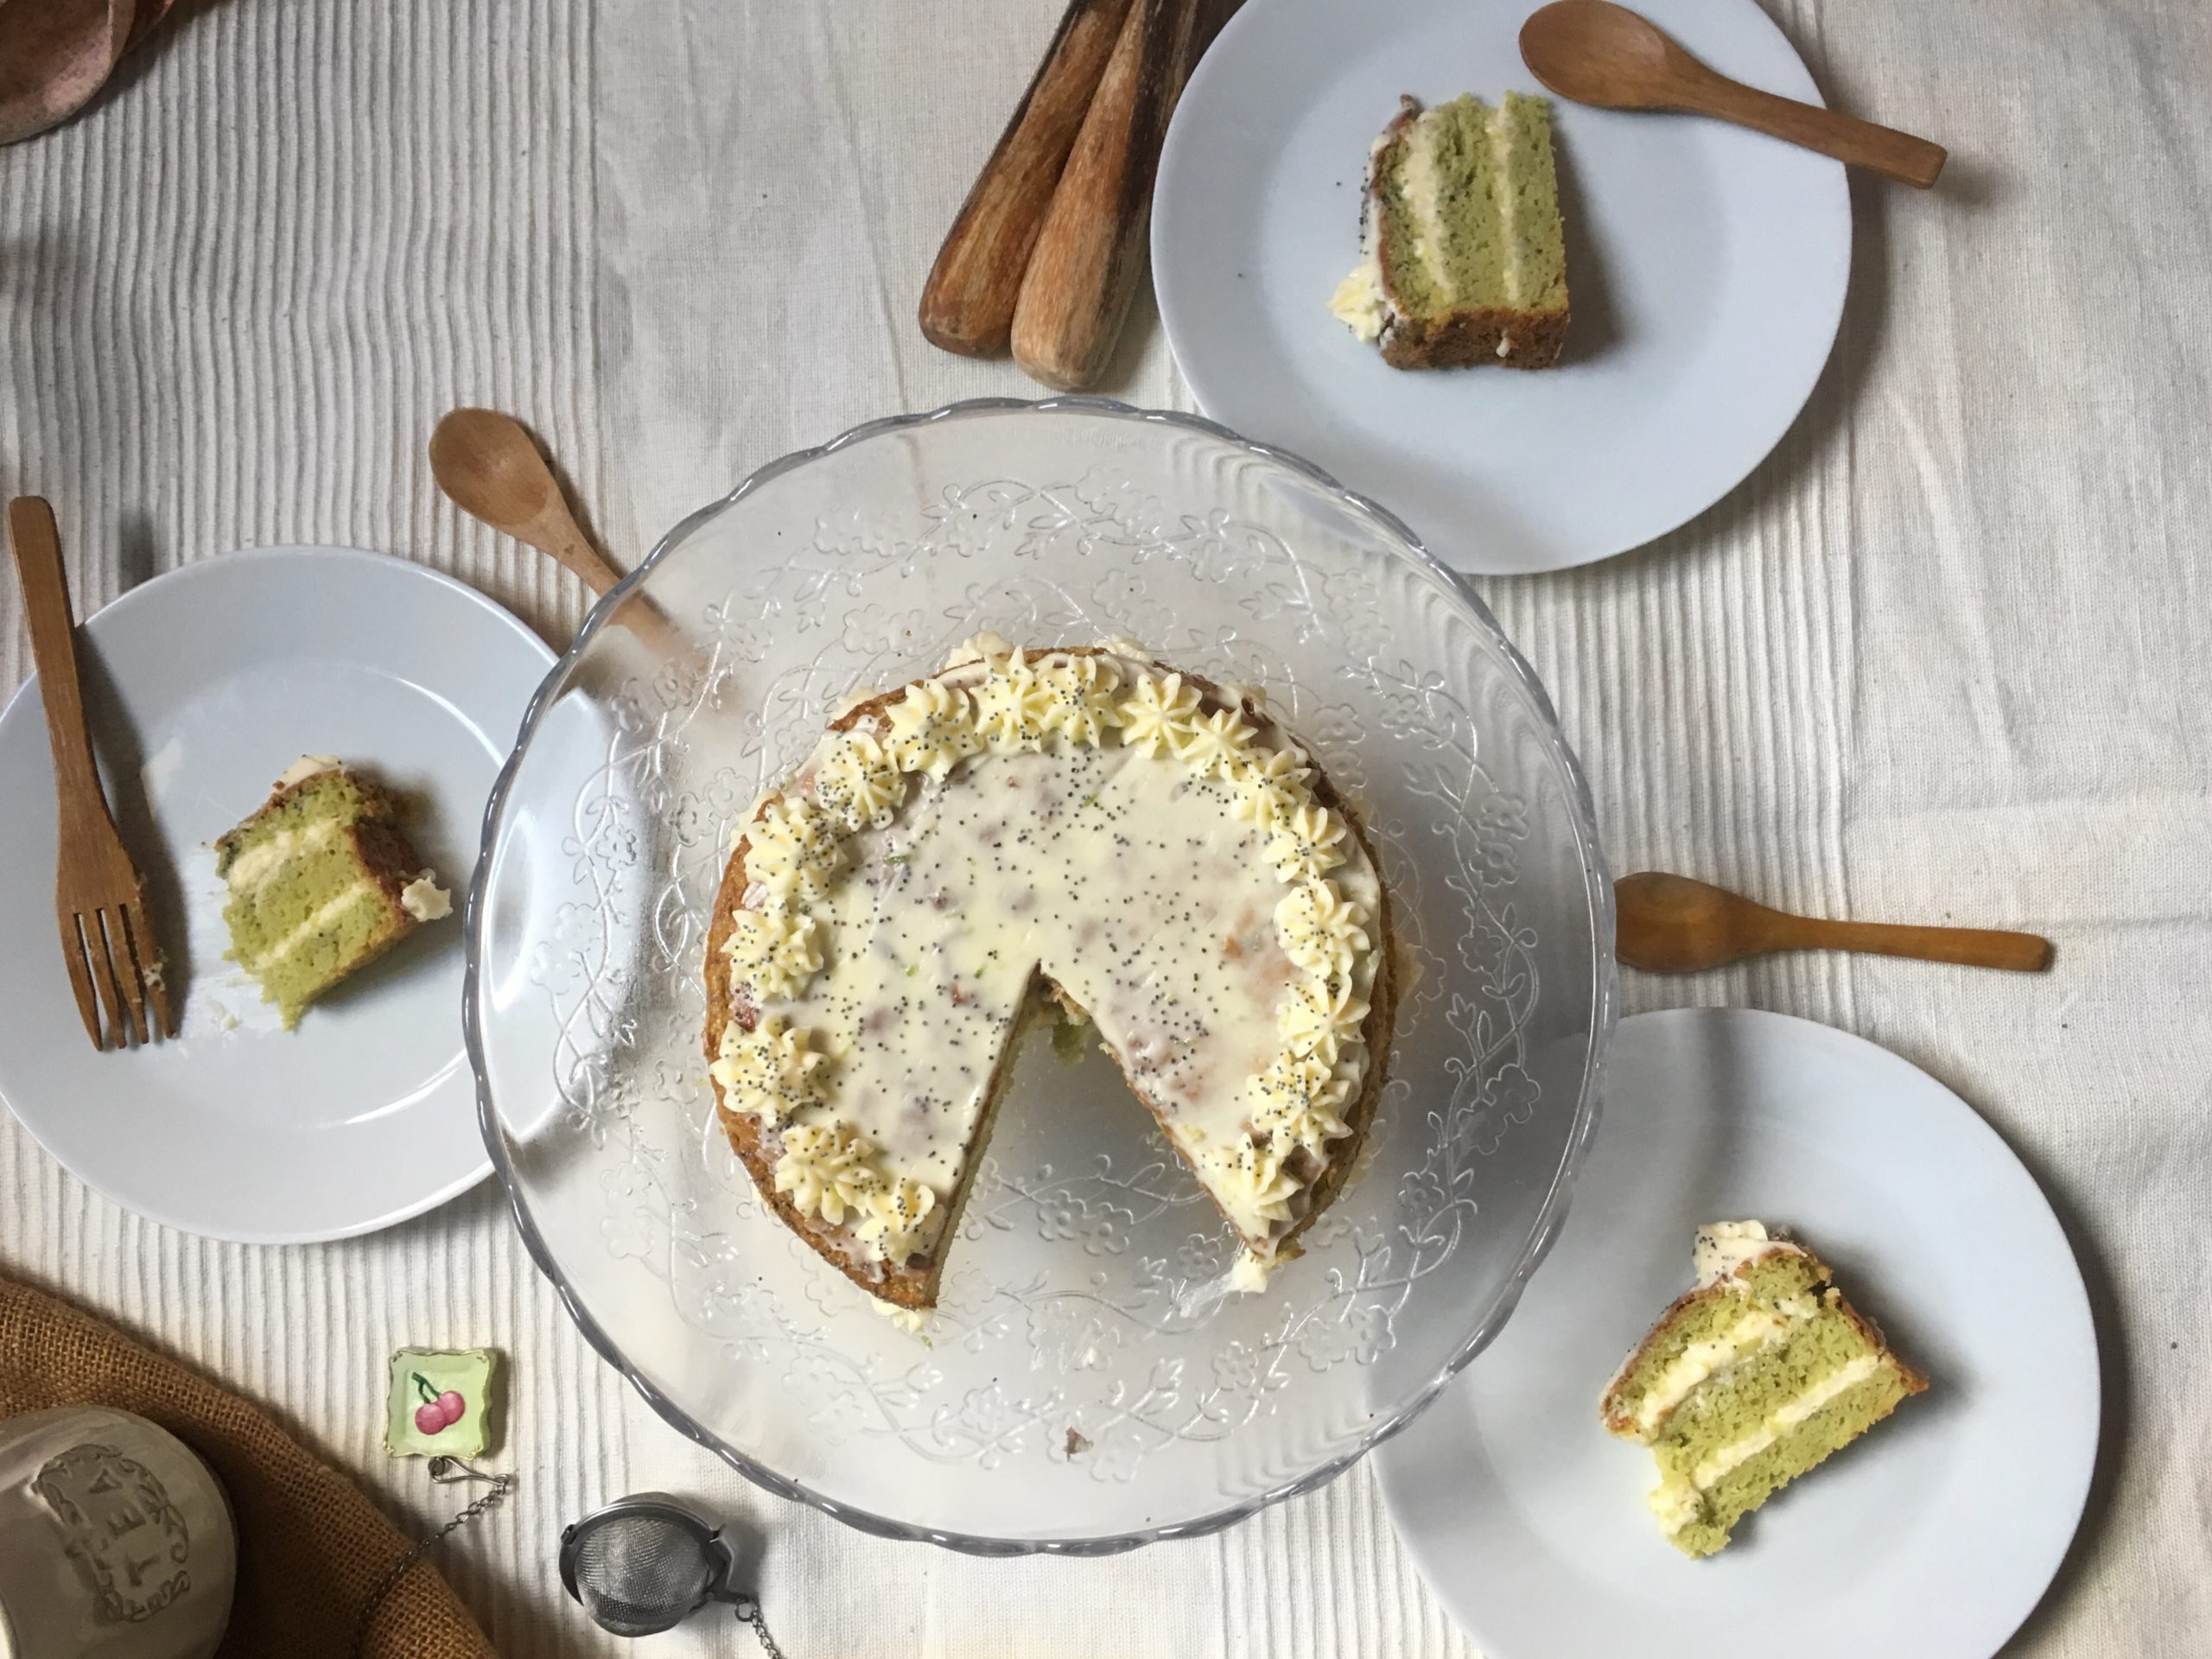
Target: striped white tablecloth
1948,652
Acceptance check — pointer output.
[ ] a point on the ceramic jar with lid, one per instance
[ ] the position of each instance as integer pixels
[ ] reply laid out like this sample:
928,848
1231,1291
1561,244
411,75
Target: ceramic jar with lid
115,1540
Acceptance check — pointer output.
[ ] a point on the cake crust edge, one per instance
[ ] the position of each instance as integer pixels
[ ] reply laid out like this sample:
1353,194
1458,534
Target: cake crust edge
1470,339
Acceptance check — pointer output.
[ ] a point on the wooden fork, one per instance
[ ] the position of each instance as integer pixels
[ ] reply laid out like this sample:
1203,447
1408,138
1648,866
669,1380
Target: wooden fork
106,939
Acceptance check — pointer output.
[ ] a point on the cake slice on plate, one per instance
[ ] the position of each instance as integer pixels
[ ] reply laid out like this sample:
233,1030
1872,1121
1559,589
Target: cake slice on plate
1750,1379
323,880
1465,253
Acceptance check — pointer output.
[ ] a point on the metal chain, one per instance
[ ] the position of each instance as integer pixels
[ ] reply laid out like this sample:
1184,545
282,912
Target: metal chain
446,1472
748,1613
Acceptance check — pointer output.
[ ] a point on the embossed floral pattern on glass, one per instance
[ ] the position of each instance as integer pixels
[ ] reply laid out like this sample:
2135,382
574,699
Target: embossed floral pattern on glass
1088,1383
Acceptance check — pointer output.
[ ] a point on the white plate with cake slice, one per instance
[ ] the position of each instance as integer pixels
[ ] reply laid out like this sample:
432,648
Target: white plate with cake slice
204,685
1934,1534
1706,269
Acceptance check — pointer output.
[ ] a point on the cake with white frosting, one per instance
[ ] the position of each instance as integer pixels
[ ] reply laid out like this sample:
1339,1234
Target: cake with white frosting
322,880
1752,1378
1072,833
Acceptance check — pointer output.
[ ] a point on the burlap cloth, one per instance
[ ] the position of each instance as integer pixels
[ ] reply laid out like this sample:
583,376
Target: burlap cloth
310,1545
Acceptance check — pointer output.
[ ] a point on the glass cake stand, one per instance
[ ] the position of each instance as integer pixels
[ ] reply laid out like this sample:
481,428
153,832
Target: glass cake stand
1089,1383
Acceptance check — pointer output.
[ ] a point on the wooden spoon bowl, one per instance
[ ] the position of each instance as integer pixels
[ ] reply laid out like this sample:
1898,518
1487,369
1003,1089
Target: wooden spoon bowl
489,466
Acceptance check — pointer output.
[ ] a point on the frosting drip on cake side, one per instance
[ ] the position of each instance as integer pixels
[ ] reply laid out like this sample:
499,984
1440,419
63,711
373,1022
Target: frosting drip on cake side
1090,818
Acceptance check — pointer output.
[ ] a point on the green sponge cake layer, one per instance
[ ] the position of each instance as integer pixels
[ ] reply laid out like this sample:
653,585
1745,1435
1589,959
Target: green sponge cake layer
1466,256
1749,1381
322,880
1710,1330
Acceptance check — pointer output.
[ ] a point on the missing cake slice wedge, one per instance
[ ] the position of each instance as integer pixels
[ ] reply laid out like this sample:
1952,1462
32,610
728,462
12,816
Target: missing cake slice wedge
1753,1377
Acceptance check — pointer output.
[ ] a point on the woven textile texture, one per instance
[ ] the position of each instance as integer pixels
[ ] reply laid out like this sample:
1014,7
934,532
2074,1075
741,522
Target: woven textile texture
1946,655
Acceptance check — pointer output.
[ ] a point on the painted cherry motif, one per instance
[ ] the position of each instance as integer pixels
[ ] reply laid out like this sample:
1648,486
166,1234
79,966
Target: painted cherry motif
438,1412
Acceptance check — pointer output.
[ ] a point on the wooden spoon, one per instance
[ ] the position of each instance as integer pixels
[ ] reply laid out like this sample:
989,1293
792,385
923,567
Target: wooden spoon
1671,924
490,467
1596,53
967,302
1089,253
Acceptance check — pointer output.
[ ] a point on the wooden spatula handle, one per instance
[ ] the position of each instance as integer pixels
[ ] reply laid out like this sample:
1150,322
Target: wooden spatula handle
967,302
1089,252
54,644
1894,154
1968,947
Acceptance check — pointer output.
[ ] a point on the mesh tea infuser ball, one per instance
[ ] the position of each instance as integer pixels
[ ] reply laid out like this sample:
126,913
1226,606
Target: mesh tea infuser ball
645,1563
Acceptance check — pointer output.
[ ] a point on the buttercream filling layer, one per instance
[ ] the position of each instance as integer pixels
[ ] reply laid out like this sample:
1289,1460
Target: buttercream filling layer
325,916
1754,1333
1718,1465
257,864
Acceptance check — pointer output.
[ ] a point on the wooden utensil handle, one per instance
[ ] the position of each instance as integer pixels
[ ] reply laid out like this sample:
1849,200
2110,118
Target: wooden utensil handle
1968,947
1894,154
568,548
967,302
1089,252
54,640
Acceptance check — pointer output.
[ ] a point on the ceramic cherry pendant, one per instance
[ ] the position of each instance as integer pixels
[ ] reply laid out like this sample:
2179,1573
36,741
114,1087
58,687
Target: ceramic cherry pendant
438,1412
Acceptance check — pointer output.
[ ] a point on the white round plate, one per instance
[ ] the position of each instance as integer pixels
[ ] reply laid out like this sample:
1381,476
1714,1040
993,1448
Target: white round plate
1706,266
1934,1536
204,684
